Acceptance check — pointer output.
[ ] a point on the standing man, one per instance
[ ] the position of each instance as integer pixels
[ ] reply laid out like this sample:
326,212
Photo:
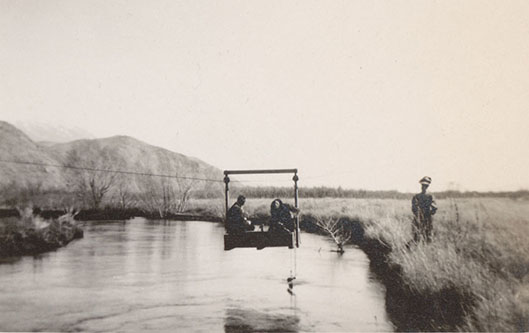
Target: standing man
237,221
423,207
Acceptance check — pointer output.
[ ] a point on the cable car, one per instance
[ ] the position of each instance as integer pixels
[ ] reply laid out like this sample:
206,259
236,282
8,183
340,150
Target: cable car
261,239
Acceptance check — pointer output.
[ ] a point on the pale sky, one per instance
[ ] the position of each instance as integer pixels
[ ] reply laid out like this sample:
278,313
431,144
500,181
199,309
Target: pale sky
362,94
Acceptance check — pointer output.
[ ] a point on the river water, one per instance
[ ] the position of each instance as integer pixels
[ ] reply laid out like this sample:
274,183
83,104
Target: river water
168,275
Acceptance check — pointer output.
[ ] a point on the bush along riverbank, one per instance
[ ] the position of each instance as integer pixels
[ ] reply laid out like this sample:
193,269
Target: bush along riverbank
473,276
30,234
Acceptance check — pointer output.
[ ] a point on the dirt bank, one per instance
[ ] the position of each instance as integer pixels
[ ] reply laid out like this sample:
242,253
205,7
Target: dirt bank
408,309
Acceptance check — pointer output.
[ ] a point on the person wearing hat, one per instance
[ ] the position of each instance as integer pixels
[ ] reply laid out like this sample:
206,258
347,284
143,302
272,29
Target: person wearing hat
237,221
423,207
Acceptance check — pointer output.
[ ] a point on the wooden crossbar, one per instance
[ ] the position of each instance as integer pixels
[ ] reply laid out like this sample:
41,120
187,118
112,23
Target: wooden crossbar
262,171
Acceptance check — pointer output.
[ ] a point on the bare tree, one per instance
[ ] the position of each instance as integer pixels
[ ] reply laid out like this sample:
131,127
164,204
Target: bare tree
167,195
124,193
185,188
339,234
89,177
159,195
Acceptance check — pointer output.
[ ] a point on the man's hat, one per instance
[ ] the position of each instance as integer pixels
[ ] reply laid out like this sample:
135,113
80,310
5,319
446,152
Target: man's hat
425,180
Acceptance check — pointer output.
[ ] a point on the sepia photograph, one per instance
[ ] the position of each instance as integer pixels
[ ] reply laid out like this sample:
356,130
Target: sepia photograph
264,166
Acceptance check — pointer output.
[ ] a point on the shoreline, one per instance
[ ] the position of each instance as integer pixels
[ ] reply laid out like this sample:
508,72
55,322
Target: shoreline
407,309
28,240
113,214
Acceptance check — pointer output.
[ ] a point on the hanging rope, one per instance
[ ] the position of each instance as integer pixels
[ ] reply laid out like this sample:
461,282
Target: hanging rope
293,273
293,268
295,262
291,263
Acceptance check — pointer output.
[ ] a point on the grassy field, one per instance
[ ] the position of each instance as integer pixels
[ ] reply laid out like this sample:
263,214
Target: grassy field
480,249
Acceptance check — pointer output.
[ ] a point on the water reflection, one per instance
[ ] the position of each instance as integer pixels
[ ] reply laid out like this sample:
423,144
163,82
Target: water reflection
248,320
167,275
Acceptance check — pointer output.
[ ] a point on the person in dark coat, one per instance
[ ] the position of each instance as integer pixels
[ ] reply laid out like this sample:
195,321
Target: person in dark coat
237,221
423,207
282,216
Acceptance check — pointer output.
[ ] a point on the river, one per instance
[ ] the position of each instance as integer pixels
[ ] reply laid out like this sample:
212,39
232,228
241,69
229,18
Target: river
145,275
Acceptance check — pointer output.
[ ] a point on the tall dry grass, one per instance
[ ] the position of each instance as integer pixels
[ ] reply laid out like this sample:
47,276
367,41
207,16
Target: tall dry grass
480,247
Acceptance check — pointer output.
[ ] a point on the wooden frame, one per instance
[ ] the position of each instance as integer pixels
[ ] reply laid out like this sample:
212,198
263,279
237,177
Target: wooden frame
295,178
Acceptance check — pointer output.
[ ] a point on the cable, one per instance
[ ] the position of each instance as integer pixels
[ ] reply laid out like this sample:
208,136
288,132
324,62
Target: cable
291,264
108,170
295,262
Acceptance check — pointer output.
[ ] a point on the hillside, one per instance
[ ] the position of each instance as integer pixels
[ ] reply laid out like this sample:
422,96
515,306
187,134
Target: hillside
114,153
17,146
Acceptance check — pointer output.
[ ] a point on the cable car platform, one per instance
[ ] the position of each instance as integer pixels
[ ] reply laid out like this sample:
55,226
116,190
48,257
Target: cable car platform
259,240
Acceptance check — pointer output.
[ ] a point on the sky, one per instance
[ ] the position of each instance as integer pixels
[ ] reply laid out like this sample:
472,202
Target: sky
359,94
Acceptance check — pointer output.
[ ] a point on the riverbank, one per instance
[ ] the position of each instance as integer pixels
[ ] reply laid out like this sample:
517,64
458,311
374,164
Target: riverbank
473,276
115,214
408,309
30,234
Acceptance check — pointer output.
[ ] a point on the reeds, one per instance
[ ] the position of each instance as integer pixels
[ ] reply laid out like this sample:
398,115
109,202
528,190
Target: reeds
479,248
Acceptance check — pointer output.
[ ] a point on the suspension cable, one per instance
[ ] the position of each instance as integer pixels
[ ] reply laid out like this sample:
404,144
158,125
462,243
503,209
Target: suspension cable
127,172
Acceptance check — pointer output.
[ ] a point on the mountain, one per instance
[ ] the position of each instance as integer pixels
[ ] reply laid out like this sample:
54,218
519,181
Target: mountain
128,154
115,153
17,146
38,132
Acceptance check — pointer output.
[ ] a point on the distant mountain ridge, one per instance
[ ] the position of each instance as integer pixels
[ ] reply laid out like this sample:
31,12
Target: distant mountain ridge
38,132
114,153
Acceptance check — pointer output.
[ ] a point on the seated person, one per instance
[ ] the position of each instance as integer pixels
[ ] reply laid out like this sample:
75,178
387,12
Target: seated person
237,222
282,216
